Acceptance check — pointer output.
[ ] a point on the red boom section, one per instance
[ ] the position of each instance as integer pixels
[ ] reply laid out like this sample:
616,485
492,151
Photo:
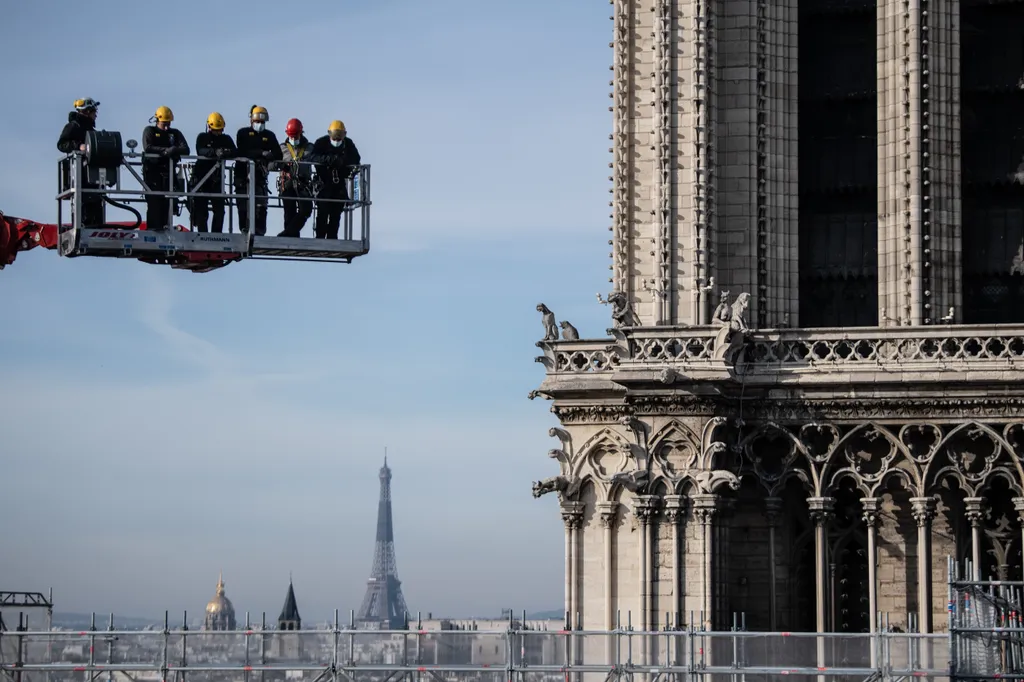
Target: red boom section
19,234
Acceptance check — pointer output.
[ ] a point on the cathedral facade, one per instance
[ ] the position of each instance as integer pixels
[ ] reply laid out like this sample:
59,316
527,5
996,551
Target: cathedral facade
810,394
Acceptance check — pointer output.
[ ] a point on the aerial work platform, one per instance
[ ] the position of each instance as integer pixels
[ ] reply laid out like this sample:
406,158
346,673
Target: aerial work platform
104,177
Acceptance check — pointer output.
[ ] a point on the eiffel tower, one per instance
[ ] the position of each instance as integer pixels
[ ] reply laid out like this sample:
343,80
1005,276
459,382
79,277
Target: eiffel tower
384,605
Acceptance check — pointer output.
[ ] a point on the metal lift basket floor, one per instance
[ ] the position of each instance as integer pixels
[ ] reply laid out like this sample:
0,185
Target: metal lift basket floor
104,175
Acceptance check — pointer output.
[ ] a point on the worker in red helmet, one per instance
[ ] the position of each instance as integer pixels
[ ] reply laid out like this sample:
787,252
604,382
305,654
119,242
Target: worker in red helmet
295,180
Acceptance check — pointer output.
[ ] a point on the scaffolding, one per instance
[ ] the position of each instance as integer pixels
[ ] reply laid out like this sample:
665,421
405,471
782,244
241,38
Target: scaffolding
986,626
517,652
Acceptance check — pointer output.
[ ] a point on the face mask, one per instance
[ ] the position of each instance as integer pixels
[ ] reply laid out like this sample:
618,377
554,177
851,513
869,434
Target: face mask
293,140
336,143
258,127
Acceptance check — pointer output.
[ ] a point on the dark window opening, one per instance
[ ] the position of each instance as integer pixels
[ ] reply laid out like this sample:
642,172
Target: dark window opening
838,164
992,149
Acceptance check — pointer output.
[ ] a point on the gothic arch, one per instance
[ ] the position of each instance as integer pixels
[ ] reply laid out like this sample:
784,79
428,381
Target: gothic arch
794,463
969,474
675,450
603,455
871,473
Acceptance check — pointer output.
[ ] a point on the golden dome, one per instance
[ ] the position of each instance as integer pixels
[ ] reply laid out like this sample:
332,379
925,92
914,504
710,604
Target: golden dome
220,603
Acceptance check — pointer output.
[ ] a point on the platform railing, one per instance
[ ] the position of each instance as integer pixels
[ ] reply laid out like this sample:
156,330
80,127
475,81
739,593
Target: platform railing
511,654
122,185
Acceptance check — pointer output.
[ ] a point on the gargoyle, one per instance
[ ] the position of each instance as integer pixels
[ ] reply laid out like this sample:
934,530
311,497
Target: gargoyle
557,484
730,337
630,480
548,320
711,481
668,375
569,332
622,311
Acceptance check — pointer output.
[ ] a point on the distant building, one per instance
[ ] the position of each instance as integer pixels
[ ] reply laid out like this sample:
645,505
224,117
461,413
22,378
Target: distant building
220,613
288,647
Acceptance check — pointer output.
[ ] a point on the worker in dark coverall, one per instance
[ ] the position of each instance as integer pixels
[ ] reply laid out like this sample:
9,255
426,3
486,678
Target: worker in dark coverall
295,180
72,139
259,144
161,144
212,147
337,159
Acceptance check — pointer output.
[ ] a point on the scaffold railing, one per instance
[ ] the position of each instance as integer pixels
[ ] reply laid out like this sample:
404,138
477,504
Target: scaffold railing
516,652
986,625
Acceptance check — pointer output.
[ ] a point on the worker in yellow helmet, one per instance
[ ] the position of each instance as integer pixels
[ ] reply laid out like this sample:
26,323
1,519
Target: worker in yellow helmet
212,148
162,147
72,139
260,145
337,160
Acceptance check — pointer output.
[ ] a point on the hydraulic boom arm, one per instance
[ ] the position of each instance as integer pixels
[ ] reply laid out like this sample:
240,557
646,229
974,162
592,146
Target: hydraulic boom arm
18,234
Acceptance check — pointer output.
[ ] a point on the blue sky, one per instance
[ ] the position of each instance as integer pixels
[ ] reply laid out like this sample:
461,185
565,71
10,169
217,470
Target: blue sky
159,426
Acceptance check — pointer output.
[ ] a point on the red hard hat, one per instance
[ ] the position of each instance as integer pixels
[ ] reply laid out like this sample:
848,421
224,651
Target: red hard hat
293,128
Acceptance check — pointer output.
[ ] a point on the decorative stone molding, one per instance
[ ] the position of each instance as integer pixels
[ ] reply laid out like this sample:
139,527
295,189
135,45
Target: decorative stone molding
572,515
608,513
705,507
923,510
675,509
822,509
819,350
974,512
644,508
871,511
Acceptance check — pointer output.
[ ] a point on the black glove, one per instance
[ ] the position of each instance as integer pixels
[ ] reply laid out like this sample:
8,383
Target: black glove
268,154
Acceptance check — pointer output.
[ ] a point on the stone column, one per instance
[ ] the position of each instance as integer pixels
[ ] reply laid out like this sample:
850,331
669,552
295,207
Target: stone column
870,518
704,508
675,514
974,514
643,508
821,512
773,509
608,512
572,517
924,511
1018,504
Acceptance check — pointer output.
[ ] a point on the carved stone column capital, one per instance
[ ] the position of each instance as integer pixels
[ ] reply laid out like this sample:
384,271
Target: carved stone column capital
871,511
773,510
607,512
923,510
1018,504
974,512
705,507
644,507
821,509
572,515
675,509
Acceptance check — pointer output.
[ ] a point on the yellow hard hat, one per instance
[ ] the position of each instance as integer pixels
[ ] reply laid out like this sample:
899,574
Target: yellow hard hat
164,115
259,114
215,121
336,126
85,104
